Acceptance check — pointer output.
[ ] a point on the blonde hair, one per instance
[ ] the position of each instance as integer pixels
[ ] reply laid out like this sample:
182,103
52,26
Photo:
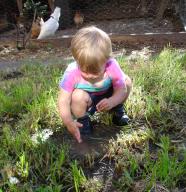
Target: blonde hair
91,48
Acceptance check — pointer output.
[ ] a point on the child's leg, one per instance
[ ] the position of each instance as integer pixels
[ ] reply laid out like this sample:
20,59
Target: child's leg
79,105
120,118
80,102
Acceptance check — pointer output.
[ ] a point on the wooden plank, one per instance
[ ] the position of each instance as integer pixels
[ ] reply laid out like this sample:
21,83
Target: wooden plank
160,38
131,39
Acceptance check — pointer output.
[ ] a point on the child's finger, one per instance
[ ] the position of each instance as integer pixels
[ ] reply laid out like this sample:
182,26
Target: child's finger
102,102
100,105
78,136
79,125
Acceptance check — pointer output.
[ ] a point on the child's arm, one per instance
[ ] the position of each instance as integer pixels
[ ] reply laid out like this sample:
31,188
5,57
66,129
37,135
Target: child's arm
120,95
128,83
64,101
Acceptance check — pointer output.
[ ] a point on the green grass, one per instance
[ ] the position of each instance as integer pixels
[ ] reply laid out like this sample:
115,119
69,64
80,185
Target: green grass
156,106
158,83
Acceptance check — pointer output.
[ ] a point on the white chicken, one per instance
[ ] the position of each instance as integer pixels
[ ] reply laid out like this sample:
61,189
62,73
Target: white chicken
49,27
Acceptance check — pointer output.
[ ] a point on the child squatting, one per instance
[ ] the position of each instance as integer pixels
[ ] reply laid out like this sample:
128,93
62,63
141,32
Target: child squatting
94,82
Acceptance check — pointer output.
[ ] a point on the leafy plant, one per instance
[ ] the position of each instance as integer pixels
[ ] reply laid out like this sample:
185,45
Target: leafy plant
56,167
78,176
30,7
167,169
56,188
22,166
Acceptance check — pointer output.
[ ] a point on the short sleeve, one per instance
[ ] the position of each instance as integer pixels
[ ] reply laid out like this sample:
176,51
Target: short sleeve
68,80
116,74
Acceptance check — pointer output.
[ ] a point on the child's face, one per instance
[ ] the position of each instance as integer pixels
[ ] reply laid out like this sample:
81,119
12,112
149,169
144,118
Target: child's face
93,78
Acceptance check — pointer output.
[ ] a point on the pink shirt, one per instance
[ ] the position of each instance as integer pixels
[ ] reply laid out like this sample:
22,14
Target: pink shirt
113,76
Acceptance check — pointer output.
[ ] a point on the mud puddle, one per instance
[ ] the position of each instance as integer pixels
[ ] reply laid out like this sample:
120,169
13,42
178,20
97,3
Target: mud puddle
92,145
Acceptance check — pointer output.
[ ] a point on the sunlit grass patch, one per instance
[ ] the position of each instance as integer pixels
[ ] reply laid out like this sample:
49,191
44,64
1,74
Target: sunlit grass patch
16,99
157,84
16,94
43,111
128,140
15,141
157,98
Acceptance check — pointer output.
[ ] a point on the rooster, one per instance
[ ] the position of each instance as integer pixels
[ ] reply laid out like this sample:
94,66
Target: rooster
36,28
78,19
49,27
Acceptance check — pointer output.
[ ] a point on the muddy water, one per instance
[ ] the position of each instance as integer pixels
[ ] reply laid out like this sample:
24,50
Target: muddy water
94,144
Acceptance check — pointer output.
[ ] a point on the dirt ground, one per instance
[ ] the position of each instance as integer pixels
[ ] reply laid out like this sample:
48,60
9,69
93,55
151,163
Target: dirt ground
128,26
11,57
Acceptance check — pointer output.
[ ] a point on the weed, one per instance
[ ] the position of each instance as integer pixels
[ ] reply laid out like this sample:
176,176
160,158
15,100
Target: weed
15,142
78,176
22,166
89,159
161,82
56,188
55,168
167,169
126,141
92,185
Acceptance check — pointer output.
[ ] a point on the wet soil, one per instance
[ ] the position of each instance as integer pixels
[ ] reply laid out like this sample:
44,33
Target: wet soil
91,144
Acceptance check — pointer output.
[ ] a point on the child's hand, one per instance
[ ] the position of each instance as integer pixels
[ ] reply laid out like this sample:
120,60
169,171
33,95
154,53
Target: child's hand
104,105
73,128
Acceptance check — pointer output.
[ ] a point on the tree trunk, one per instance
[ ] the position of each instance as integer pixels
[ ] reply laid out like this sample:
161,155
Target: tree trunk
20,6
51,4
163,6
144,7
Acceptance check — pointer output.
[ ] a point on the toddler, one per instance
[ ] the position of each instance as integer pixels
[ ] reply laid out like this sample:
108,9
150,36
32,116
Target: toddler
94,82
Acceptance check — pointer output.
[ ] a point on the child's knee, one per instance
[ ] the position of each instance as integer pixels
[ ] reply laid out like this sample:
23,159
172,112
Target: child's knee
79,102
79,96
128,83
